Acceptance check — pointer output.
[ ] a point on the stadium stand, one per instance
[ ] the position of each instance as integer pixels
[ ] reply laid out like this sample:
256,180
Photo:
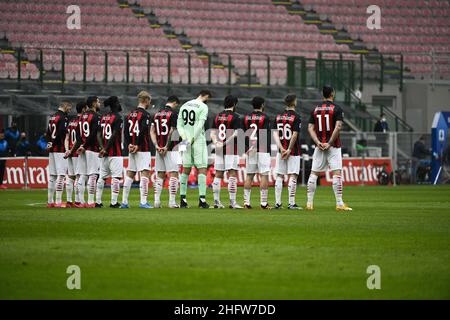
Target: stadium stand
414,27
105,26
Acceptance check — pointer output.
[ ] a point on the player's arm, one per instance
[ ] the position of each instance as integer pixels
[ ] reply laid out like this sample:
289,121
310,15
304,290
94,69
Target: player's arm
199,125
126,133
339,118
66,145
335,133
100,140
276,137
295,133
153,135
180,125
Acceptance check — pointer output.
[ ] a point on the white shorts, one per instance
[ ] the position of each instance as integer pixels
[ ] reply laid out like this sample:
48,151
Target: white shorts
111,167
258,162
169,163
227,162
81,165
139,161
92,162
72,163
57,165
330,159
289,166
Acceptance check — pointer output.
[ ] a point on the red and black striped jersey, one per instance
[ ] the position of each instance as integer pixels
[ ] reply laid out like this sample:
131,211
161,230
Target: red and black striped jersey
111,125
89,123
73,131
257,131
56,131
324,118
287,123
137,129
226,123
164,120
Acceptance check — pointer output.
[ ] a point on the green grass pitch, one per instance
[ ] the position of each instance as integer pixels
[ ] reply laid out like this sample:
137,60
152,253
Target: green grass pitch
231,254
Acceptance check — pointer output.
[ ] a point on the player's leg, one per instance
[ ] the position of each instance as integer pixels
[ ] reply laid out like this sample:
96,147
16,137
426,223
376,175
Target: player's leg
51,180
232,167
93,169
280,170
158,187
251,167
160,168
104,173
172,163
264,170
128,180
81,180
293,168
319,164
200,154
219,166
173,189
61,171
183,185
202,188
187,163
335,164
143,161
216,186
116,169
70,181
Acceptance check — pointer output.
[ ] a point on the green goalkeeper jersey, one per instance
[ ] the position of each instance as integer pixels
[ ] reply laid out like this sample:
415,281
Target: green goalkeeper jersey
191,121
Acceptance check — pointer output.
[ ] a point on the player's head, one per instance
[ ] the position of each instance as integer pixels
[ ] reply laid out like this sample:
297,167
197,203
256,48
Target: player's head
81,107
258,103
290,101
65,106
93,103
204,95
144,99
113,103
173,101
328,92
230,102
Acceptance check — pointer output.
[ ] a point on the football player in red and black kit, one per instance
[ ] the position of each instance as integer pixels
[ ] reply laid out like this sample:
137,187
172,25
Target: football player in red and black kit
224,137
57,165
286,132
109,138
87,149
257,130
167,160
324,126
72,132
137,140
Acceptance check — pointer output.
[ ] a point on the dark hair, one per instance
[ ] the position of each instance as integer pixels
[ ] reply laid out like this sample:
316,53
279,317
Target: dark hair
327,91
257,102
90,100
382,115
230,101
289,99
173,99
205,93
80,106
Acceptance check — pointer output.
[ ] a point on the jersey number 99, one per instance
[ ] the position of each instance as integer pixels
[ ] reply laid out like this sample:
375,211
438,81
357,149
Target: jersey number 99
188,117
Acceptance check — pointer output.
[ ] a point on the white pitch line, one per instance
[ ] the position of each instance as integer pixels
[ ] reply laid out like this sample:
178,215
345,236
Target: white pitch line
35,204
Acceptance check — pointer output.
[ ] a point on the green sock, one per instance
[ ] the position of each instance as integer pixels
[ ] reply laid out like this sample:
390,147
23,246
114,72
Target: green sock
201,185
183,184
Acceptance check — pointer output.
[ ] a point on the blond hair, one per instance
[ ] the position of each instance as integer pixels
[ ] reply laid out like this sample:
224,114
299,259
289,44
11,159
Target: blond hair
143,95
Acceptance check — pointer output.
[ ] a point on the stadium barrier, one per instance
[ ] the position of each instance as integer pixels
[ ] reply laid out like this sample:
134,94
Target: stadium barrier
32,172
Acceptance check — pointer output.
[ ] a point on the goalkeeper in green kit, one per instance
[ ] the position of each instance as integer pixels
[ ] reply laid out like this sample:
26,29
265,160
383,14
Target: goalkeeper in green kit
191,128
